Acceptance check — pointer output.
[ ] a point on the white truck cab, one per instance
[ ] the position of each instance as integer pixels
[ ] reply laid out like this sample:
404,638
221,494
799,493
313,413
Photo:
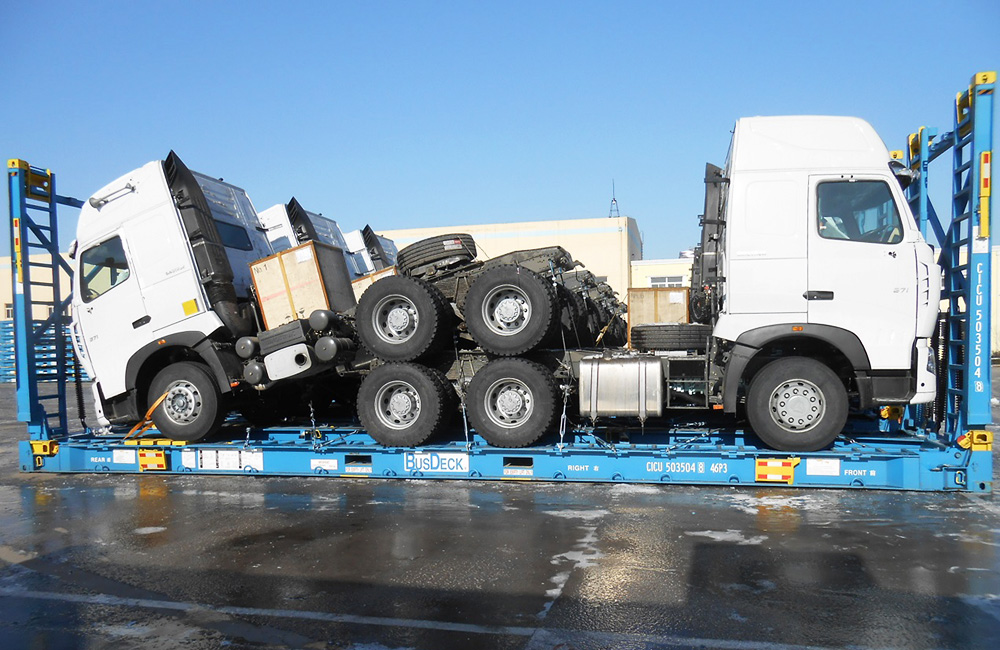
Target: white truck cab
820,258
161,267
289,224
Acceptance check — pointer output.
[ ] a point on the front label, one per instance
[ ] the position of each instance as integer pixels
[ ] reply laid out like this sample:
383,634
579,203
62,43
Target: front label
432,461
823,467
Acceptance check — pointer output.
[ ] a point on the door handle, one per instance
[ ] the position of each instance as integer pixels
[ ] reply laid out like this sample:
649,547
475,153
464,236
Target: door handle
136,324
818,295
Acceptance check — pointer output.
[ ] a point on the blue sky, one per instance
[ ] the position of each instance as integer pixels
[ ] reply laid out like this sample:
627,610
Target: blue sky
403,114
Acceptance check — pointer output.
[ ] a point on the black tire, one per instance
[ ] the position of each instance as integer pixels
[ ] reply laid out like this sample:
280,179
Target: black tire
797,404
700,306
404,404
573,318
513,402
403,319
433,249
193,407
671,336
510,310
617,334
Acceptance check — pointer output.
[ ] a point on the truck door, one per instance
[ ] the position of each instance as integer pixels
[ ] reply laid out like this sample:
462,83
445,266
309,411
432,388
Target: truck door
862,269
109,310
766,249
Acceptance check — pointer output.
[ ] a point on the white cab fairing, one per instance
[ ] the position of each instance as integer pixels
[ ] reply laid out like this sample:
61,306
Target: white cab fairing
818,231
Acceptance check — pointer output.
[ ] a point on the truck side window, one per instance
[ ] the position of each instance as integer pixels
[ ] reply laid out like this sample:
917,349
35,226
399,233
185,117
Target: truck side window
233,236
858,211
103,267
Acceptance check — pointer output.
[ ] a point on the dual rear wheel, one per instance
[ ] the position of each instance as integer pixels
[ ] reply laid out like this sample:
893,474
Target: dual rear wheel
510,403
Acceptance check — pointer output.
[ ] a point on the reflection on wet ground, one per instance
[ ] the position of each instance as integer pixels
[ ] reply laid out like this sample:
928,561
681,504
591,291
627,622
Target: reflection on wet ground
198,562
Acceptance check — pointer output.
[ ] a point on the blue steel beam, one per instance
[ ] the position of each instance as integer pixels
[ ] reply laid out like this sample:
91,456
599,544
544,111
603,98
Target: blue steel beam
34,227
974,114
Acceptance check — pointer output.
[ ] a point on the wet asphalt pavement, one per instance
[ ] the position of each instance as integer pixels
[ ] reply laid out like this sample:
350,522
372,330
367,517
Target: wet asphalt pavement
90,561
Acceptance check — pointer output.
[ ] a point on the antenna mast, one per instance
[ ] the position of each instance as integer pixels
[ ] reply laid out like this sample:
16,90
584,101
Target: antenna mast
613,212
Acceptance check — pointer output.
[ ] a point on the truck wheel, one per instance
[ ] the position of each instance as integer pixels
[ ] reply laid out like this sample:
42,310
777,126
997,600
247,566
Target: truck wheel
193,406
513,402
402,319
403,404
573,318
797,404
510,310
433,249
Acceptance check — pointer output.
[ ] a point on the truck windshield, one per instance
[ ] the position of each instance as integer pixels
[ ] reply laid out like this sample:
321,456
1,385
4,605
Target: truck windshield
858,211
102,267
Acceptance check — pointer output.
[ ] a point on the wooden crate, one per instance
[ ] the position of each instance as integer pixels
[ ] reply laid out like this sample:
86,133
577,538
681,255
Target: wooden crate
659,305
293,283
366,281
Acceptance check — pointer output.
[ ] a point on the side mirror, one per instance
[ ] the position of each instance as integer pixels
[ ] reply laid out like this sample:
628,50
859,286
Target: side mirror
72,249
903,174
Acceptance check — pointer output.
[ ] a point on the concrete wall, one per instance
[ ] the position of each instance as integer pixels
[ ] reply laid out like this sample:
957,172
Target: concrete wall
605,246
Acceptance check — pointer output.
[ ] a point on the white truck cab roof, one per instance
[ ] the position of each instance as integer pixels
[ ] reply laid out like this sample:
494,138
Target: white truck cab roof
815,142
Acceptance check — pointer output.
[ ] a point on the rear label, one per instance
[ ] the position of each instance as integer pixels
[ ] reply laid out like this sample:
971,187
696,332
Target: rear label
431,461
123,456
232,460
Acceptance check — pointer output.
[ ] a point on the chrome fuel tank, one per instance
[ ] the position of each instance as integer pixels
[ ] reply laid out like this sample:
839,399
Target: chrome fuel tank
622,386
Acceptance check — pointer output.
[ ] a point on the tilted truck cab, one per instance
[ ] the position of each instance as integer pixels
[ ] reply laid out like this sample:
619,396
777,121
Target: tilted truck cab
162,277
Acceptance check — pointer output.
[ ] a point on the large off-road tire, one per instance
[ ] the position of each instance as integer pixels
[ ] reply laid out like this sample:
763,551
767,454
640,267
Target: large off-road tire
510,310
797,404
193,407
573,319
404,404
671,336
700,306
403,319
513,402
433,249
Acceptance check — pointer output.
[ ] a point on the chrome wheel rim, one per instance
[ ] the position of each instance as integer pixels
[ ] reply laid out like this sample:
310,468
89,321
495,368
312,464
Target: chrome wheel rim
509,403
797,405
507,310
397,405
183,403
395,319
